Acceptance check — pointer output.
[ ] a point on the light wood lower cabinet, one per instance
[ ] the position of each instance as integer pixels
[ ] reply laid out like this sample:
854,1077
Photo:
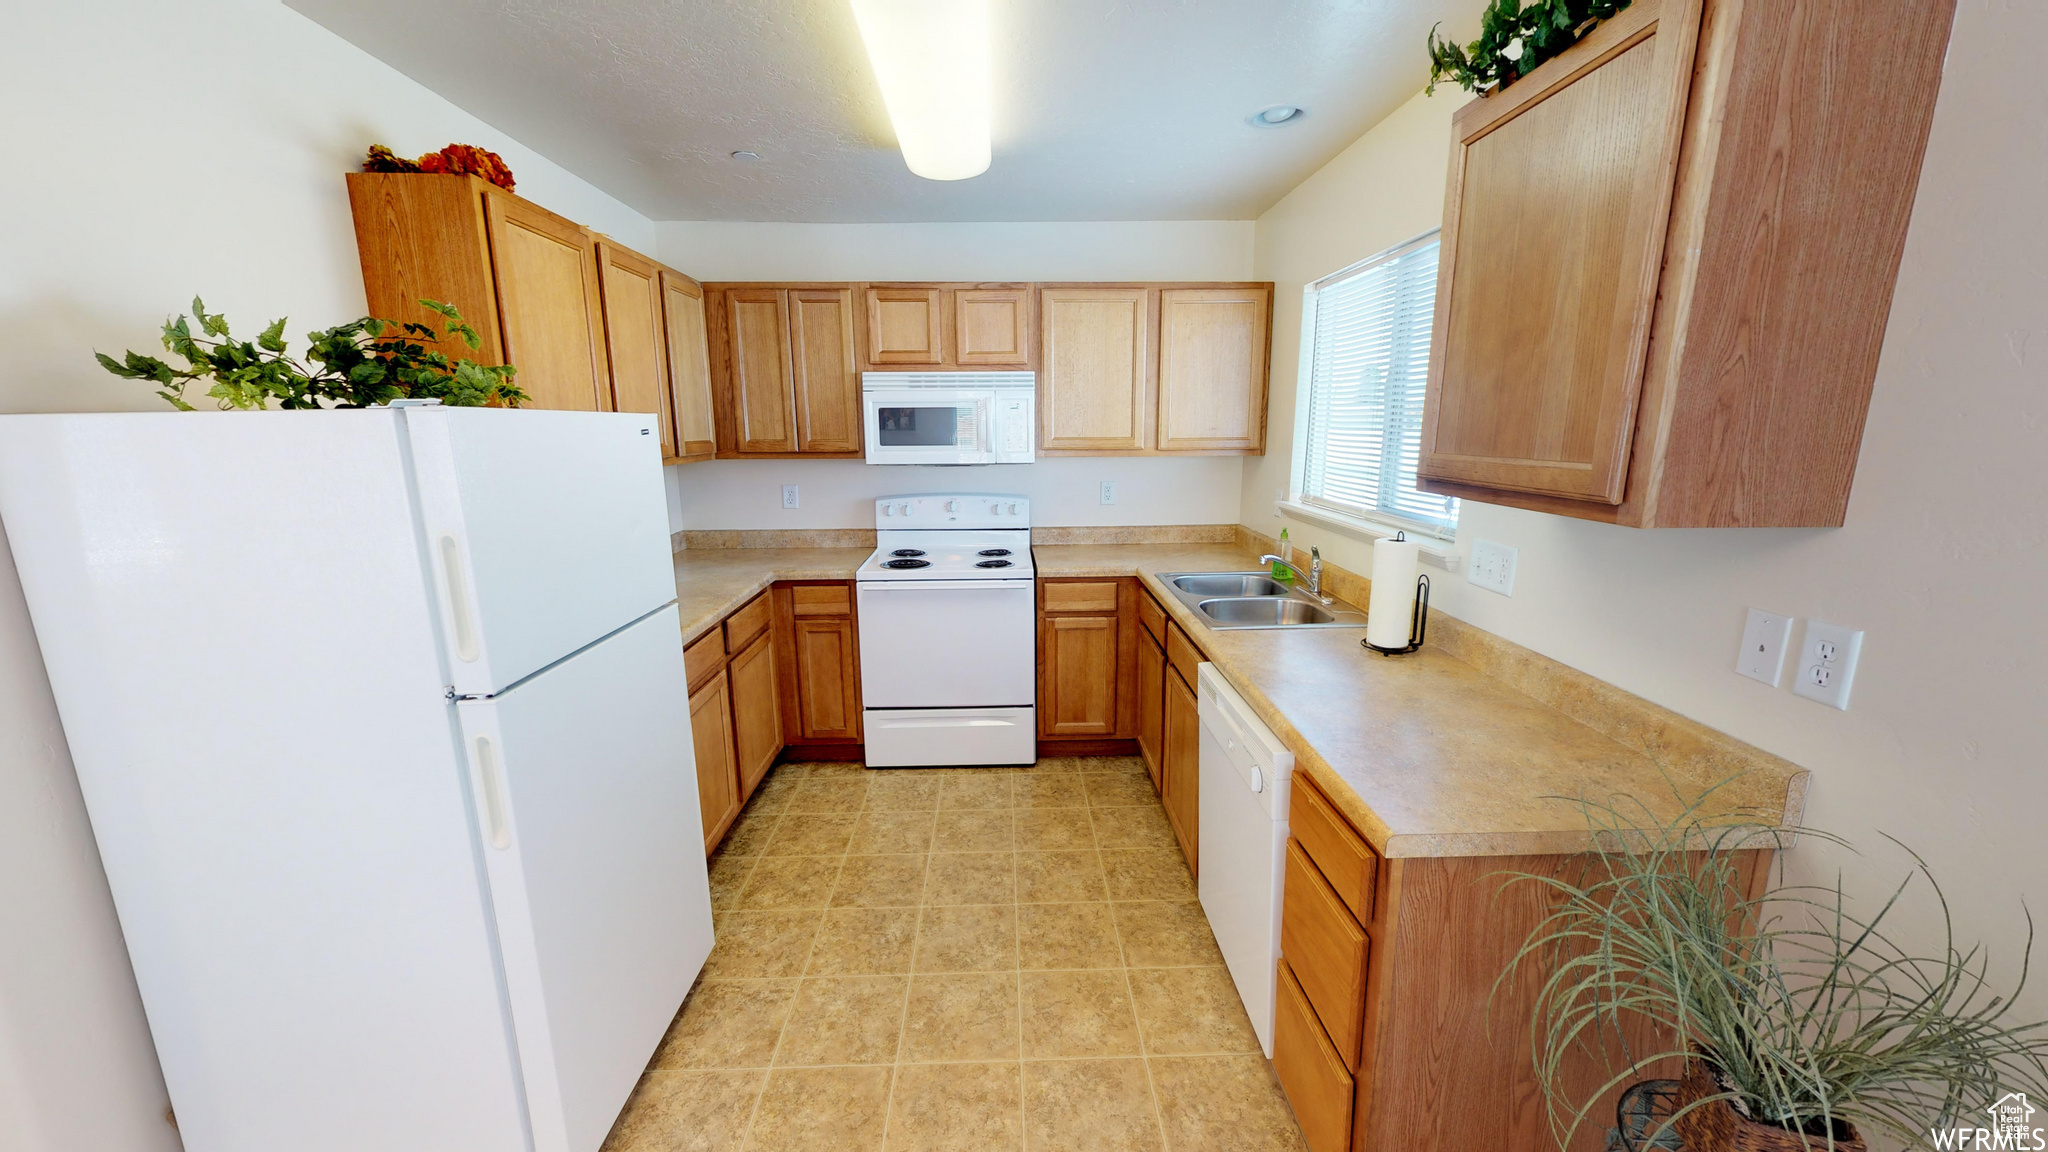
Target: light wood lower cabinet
1087,659
1183,778
718,766
1315,1078
1151,706
821,662
757,711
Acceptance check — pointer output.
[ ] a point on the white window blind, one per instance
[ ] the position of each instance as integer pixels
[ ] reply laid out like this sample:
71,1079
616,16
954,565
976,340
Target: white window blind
1369,365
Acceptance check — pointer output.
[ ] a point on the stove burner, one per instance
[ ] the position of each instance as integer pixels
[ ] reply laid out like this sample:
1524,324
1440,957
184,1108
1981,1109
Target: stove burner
907,563
994,552
992,563
908,552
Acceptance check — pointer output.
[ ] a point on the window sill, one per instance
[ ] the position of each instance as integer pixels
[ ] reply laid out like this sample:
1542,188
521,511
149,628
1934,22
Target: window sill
1437,551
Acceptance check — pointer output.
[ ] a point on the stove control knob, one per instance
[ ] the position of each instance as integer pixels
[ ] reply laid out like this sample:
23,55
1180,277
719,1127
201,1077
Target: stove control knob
952,505
905,509
888,509
1013,509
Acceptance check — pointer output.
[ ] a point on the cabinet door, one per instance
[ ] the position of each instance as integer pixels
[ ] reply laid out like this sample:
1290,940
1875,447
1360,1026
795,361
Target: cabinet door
1182,796
633,337
756,712
992,327
826,380
1151,705
903,325
1094,369
549,301
758,370
1553,239
1212,369
827,678
1316,1081
1077,676
718,770
689,365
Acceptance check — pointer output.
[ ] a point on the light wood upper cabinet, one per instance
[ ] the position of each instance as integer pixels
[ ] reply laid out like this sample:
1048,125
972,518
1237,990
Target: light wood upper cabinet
1095,369
992,327
904,325
1213,349
785,376
635,343
1667,264
825,381
689,365
549,304
760,405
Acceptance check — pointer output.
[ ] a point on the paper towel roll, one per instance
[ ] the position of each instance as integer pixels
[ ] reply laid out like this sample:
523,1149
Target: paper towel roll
1391,611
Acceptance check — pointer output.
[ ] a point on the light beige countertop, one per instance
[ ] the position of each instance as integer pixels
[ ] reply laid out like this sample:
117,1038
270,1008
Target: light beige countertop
1470,747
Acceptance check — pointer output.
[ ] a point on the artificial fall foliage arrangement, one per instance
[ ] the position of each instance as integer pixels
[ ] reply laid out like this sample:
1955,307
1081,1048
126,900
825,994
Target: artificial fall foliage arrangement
455,159
1513,40
358,364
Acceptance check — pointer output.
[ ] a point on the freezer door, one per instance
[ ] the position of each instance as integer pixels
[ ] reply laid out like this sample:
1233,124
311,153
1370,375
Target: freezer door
947,644
586,808
544,531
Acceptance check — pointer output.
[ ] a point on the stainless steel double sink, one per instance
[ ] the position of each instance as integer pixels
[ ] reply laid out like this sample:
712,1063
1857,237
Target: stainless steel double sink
1256,600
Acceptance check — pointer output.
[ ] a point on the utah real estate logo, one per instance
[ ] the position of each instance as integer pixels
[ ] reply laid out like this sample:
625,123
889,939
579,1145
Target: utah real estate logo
2012,1127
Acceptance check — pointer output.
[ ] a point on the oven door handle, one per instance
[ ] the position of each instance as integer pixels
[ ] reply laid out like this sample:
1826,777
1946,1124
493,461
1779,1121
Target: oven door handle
944,585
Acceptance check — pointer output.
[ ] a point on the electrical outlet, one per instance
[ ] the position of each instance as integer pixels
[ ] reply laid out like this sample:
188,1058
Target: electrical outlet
789,495
1764,640
1827,663
1493,567
1108,492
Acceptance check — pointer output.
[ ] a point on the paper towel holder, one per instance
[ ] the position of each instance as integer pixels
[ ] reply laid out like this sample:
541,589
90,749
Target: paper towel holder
1418,626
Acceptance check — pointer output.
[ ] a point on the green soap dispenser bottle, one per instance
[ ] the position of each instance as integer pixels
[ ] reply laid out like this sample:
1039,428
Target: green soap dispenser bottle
1280,571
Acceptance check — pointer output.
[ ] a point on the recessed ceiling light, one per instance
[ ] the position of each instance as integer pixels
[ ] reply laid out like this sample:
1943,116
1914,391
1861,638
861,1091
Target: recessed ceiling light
1277,115
746,156
931,60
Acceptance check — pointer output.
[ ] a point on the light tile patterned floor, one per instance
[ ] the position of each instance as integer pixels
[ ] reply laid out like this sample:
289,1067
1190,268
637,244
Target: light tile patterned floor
958,959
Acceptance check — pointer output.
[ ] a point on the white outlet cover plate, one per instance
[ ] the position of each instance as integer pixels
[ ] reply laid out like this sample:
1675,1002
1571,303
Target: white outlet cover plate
789,496
1827,663
1492,567
1764,640
1108,492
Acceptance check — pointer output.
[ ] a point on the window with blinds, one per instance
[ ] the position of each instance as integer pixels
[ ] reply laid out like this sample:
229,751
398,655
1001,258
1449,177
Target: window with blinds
1369,363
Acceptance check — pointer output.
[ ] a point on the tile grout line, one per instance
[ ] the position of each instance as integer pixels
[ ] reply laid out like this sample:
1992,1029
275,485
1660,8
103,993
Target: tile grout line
1017,942
909,979
1137,1022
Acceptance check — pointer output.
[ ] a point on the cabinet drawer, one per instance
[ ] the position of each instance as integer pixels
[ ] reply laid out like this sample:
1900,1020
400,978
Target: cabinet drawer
705,655
1182,653
1342,855
1314,1077
742,626
1086,596
821,600
1151,615
1326,949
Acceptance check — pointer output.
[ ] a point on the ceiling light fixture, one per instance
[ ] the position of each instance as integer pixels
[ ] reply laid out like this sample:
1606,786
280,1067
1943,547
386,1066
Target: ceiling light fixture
745,156
1277,115
931,60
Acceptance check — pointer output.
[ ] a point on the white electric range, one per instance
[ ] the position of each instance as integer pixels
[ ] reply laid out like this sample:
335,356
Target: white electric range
948,633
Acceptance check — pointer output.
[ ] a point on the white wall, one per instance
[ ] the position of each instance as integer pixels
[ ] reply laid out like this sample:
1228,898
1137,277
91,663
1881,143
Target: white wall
839,493
155,151
1944,558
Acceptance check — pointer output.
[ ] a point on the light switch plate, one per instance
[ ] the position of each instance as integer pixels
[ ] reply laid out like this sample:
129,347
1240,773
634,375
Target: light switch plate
789,495
1764,640
1493,567
1827,663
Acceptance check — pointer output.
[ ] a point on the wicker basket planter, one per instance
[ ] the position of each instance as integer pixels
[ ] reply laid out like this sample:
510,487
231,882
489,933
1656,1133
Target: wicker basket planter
1718,1127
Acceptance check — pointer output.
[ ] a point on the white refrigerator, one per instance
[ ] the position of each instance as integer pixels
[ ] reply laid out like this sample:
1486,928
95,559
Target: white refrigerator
381,721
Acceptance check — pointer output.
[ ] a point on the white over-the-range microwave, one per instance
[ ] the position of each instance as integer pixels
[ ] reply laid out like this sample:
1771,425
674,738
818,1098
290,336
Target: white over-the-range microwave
949,417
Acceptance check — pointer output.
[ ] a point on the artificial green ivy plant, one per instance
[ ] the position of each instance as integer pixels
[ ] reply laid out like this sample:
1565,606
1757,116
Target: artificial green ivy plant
358,364
1513,40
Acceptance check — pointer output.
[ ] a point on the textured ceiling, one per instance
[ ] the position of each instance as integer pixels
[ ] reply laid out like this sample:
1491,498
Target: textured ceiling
1104,109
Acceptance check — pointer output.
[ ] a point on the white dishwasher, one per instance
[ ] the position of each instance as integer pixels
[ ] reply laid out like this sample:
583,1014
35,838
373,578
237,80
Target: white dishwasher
1245,772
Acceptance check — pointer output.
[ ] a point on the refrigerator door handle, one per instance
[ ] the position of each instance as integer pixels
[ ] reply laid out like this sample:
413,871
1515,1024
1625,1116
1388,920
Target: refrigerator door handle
497,822
463,616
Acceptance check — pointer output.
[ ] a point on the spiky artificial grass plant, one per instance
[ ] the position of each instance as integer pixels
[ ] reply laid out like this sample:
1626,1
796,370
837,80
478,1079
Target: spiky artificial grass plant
1810,1013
